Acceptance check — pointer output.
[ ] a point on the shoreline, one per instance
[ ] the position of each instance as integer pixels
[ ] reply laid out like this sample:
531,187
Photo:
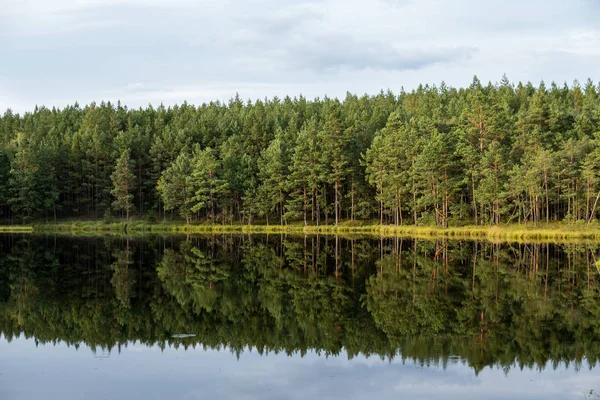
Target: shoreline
16,229
513,232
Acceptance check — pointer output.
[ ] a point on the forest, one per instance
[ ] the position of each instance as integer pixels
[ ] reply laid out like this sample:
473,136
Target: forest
485,154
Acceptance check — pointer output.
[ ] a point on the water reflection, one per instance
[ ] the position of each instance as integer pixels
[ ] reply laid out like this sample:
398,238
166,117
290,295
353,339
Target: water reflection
139,371
426,303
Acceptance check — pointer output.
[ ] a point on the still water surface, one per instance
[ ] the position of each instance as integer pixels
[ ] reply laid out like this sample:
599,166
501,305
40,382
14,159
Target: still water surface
296,317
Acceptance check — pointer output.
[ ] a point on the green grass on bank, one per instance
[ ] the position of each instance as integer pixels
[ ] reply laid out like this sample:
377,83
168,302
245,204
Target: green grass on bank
550,232
16,229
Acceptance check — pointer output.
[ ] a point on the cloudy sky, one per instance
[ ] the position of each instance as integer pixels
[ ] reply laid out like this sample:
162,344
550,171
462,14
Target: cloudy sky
56,52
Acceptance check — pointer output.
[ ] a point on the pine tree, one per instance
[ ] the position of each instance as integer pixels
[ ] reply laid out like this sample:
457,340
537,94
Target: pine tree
175,187
591,174
22,181
239,171
479,115
272,172
435,173
124,184
334,156
489,190
4,183
375,166
207,184
307,171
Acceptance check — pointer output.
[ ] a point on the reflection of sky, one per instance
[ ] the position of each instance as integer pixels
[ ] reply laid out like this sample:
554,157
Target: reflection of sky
140,372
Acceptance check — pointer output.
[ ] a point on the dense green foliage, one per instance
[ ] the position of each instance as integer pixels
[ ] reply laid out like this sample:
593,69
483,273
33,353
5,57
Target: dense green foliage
429,301
436,155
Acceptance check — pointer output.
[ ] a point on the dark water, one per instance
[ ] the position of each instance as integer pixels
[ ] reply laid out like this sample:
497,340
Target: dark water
294,318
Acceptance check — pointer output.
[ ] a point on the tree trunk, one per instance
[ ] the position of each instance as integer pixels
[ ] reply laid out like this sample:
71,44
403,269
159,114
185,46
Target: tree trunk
414,193
281,206
474,201
140,199
212,206
587,200
305,221
325,198
594,209
352,207
446,198
336,203
547,202
316,195
312,206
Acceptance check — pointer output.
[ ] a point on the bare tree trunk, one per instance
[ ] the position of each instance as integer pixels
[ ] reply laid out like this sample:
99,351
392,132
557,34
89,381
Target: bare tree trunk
305,222
316,195
140,199
352,207
325,198
474,201
336,203
593,209
547,202
281,206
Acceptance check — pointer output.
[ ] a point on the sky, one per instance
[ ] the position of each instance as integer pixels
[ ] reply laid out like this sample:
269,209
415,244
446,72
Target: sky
143,372
56,52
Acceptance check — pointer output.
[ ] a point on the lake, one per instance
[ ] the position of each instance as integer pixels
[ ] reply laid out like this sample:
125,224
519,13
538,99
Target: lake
295,317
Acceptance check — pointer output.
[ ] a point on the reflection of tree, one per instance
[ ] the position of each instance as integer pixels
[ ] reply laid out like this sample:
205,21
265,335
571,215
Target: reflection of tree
406,300
123,279
192,277
509,304
488,303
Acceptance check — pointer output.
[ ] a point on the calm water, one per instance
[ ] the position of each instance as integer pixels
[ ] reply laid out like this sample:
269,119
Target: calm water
294,318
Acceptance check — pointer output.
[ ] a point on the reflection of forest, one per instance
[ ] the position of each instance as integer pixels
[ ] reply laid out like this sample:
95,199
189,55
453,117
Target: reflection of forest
487,303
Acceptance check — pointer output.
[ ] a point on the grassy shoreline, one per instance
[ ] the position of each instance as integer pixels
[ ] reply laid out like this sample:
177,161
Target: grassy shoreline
16,229
514,232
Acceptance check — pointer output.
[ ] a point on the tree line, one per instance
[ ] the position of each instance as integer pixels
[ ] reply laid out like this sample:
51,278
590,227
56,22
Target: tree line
483,154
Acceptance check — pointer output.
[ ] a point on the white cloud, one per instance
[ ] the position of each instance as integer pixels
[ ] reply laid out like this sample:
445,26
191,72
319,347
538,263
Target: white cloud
58,51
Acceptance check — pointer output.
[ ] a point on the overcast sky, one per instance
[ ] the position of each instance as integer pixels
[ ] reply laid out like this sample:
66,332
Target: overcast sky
56,52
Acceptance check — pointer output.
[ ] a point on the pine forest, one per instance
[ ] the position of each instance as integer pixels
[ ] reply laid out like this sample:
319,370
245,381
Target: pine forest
486,154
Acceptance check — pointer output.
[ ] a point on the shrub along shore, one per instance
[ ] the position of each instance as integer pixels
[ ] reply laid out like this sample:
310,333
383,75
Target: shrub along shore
512,232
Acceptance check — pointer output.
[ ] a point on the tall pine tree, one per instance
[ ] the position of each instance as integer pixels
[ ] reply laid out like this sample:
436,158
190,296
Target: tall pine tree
124,184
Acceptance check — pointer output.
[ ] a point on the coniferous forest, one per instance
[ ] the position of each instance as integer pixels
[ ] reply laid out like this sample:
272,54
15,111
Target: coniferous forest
437,155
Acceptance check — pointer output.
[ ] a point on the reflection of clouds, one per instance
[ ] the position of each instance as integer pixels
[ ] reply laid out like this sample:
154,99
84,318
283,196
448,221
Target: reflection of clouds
368,378
150,373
